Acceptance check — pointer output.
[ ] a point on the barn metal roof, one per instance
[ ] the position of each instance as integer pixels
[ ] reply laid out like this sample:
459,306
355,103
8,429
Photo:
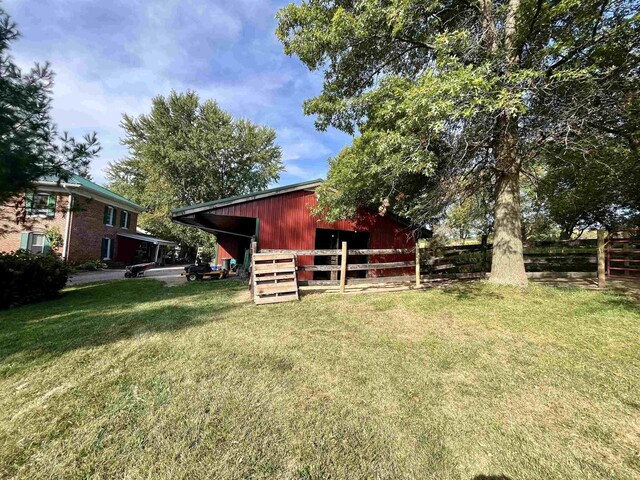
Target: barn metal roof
223,202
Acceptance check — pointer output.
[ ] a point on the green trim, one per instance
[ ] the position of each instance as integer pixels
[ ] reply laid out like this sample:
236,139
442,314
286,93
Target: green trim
95,188
46,244
51,205
271,191
24,241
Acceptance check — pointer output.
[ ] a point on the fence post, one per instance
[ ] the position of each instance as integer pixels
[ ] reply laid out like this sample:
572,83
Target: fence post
601,260
417,263
484,241
253,248
343,267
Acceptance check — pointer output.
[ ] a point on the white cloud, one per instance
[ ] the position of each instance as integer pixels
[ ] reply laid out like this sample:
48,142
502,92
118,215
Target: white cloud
119,60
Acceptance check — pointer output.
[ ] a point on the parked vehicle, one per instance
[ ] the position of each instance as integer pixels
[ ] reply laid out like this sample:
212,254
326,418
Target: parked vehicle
138,269
202,272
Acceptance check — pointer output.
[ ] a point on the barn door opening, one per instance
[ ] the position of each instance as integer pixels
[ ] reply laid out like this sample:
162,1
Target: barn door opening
332,239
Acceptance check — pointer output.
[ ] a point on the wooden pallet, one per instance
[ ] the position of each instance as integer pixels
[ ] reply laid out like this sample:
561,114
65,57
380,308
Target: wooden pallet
274,278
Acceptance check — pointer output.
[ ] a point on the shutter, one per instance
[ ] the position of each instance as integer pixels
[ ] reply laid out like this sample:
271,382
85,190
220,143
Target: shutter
24,241
46,245
103,248
128,219
51,206
28,202
105,218
112,245
114,216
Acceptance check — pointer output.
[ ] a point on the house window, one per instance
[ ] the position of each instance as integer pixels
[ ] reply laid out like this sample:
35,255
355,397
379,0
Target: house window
37,242
109,216
124,219
41,205
107,249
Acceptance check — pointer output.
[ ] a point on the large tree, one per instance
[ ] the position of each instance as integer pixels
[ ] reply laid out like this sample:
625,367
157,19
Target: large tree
30,146
187,152
601,190
445,94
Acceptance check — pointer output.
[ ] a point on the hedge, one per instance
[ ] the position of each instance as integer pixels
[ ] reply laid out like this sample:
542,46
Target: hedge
27,277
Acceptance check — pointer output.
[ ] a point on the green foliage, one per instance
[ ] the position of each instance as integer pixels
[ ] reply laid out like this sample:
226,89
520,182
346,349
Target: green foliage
91,265
55,238
30,146
601,190
435,89
187,152
27,277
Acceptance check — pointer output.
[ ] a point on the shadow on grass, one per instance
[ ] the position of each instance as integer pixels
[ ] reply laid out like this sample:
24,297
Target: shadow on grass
99,314
491,477
470,290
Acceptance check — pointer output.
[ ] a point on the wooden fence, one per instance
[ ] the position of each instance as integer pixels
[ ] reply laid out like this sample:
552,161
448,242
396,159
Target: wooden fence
439,262
623,255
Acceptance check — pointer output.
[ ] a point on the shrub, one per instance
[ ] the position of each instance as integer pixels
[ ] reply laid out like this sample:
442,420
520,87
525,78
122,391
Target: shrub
91,265
27,277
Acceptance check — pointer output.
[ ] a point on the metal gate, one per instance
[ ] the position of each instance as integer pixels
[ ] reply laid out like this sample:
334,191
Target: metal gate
623,254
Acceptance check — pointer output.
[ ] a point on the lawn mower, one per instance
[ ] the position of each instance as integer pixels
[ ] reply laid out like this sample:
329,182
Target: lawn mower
138,270
203,272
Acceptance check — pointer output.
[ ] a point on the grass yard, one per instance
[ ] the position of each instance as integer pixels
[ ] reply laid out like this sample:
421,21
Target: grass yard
137,380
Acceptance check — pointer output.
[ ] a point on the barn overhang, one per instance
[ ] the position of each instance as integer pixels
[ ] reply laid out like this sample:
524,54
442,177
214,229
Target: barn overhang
211,222
205,216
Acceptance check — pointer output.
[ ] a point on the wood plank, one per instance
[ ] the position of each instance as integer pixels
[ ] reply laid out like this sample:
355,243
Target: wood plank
270,288
319,268
343,267
276,299
331,252
275,267
381,251
321,252
378,280
357,266
273,256
279,276
380,266
319,283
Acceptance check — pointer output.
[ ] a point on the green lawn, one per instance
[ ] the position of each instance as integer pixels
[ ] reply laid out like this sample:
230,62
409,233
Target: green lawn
137,380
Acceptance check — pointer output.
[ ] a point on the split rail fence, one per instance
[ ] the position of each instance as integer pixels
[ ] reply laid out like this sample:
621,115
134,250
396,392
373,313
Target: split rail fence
576,258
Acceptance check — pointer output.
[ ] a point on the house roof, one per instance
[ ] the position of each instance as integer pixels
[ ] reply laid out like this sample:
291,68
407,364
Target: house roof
77,181
223,202
144,237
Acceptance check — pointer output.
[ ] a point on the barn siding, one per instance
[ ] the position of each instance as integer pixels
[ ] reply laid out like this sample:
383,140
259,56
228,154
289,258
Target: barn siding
287,223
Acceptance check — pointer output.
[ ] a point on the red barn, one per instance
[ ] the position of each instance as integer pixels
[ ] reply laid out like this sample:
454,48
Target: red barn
281,218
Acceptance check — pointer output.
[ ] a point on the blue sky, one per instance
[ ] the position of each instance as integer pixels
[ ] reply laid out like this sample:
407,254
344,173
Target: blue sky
113,56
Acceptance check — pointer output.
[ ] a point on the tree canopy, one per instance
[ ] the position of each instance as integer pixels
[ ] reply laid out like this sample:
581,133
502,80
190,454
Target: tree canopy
187,152
30,146
448,97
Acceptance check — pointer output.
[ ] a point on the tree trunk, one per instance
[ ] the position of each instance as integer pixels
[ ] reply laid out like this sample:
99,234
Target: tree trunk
507,265
565,233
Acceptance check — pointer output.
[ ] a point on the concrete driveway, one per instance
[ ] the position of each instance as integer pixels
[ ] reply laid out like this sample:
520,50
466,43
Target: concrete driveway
170,275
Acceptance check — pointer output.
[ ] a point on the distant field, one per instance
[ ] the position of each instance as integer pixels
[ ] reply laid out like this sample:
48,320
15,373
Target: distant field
138,380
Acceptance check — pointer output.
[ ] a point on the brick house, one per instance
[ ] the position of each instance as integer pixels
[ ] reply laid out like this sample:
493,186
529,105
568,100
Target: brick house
94,223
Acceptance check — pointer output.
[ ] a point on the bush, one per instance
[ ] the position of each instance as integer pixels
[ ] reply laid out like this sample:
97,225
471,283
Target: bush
91,265
27,277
